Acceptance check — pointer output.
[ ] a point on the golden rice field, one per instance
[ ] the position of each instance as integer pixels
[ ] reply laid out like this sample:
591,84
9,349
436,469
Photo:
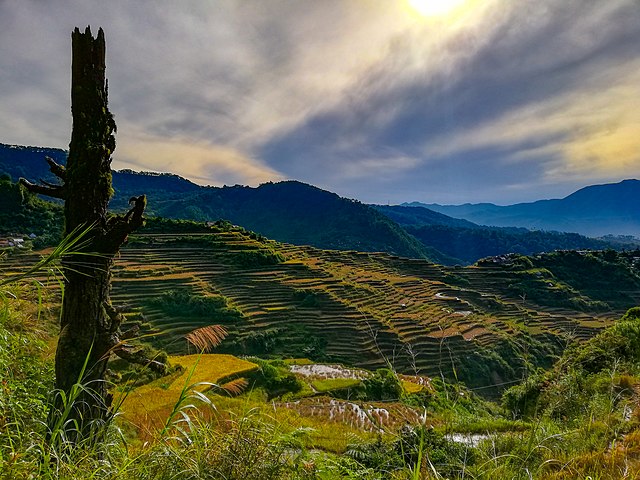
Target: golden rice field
148,406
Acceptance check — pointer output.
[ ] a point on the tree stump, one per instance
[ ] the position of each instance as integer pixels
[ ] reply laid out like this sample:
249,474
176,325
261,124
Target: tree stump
90,324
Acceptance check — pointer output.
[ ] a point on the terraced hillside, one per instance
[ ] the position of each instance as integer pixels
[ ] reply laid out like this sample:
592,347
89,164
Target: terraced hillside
364,309
482,324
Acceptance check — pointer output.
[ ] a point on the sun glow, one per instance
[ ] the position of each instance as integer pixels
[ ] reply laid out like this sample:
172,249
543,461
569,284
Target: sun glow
436,8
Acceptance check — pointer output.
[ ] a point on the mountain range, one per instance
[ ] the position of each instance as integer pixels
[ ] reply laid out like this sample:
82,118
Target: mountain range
594,211
469,242
291,212
297,213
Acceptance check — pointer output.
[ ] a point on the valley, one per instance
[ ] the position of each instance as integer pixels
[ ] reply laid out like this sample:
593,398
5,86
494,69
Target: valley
364,309
349,333
354,346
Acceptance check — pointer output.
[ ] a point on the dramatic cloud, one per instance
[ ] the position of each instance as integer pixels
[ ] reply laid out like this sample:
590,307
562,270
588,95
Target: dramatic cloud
201,162
497,100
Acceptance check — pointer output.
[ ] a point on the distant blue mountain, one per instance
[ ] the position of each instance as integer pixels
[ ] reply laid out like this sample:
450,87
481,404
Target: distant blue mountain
468,242
419,216
594,211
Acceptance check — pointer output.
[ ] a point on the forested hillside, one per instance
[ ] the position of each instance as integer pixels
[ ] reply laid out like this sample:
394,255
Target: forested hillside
301,214
287,211
470,242
24,213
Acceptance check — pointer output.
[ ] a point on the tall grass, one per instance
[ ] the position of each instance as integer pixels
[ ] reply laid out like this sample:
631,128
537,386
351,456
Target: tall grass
71,245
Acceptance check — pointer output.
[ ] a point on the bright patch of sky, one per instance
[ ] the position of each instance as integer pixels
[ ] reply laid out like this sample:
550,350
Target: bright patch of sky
446,101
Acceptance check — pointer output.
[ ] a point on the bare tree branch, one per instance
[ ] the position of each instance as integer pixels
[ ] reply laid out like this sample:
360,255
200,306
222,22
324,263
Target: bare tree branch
55,192
119,227
137,356
115,316
58,170
131,333
47,184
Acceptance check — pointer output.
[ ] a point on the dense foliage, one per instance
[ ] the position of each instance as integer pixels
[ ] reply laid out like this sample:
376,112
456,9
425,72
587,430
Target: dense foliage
472,244
274,378
257,258
581,280
24,213
189,304
604,276
591,380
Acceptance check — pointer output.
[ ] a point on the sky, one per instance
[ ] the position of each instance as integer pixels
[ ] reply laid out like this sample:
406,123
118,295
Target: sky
384,101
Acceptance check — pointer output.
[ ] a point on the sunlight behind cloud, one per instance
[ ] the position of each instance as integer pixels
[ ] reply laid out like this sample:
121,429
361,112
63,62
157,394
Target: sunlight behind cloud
196,160
587,140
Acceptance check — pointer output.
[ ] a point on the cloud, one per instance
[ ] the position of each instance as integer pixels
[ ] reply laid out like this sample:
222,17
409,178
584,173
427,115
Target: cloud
201,162
502,99
534,87
233,73
389,166
589,132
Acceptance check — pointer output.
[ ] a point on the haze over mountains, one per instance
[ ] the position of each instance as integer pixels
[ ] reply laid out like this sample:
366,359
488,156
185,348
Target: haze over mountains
594,211
298,213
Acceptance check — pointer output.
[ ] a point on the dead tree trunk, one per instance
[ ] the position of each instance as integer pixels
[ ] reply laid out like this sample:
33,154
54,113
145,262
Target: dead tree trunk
89,322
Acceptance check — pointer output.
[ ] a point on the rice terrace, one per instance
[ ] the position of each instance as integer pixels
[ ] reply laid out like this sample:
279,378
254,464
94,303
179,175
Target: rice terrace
363,309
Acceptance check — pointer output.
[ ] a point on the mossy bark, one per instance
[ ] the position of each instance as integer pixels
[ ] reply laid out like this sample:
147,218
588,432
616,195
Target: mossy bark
89,323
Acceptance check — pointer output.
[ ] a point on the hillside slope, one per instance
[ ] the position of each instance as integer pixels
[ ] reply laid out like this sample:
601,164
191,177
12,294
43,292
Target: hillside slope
595,210
419,216
367,309
297,213
287,211
469,242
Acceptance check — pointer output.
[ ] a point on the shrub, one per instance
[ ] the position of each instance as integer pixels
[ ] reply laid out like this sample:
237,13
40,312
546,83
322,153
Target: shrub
620,342
632,314
275,378
257,258
383,385
264,341
185,303
307,298
521,400
449,458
